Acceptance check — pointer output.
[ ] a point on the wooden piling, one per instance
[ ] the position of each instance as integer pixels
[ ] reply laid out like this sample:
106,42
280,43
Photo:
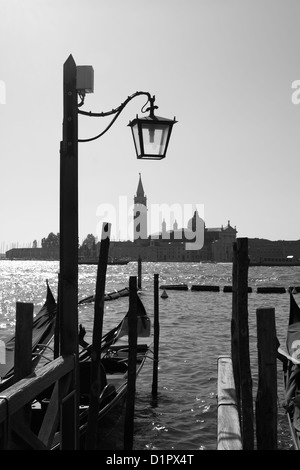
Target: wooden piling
132,353
68,292
23,345
96,385
68,289
235,331
23,352
57,322
139,272
266,399
242,353
156,336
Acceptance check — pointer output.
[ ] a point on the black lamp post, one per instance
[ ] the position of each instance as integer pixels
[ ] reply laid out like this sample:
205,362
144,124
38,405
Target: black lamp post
151,137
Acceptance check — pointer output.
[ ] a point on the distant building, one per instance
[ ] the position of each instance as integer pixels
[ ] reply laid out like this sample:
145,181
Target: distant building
178,244
262,251
43,254
140,230
221,242
175,244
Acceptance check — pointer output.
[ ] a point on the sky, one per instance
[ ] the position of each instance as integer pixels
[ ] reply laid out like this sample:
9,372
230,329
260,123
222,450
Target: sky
227,70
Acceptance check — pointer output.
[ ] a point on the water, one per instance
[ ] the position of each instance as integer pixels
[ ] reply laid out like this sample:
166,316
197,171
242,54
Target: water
194,331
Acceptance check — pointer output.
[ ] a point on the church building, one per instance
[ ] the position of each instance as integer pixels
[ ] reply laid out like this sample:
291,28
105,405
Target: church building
176,244
140,213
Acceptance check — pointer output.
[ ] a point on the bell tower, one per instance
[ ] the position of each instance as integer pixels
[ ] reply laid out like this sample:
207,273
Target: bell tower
140,231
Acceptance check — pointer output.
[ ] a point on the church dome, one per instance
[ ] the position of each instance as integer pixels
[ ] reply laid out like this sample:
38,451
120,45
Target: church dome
194,222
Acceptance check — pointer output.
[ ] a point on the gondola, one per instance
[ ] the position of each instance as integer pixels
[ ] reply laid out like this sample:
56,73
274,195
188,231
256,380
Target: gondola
42,334
291,372
114,378
113,375
115,294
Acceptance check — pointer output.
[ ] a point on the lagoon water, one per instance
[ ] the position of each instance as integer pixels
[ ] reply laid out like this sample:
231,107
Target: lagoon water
194,331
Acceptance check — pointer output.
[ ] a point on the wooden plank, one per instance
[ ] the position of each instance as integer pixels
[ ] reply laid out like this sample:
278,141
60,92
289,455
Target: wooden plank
26,435
68,430
229,437
229,432
50,421
226,387
27,389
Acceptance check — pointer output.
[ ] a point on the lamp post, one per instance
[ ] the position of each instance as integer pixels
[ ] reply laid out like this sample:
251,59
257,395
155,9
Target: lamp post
151,137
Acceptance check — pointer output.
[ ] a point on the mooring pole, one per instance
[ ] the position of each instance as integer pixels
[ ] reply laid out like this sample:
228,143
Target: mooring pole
235,352
57,323
68,273
266,399
243,344
23,345
96,385
156,337
132,352
139,272
68,289
23,352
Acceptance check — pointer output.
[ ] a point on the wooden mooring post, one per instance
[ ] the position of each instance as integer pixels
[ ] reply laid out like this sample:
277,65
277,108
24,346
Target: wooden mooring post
23,354
156,336
240,341
139,272
266,399
132,353
68,274
96,385
239,398
23,345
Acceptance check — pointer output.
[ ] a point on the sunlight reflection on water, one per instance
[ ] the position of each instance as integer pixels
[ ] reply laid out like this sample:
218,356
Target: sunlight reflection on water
194,331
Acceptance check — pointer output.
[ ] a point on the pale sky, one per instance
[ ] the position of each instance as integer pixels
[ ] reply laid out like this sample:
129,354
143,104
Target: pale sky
224,68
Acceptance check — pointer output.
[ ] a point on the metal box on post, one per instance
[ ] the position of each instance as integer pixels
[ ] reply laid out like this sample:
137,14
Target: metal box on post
85,78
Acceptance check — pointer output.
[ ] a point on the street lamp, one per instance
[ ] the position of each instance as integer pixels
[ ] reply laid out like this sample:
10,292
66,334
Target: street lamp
151,134
151,138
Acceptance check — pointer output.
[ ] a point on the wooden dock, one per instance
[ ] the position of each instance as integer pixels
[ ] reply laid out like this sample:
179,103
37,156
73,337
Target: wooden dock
229,430
236,412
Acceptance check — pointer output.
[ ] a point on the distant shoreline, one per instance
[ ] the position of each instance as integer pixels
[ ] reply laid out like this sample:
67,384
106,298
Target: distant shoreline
93,262
277,263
